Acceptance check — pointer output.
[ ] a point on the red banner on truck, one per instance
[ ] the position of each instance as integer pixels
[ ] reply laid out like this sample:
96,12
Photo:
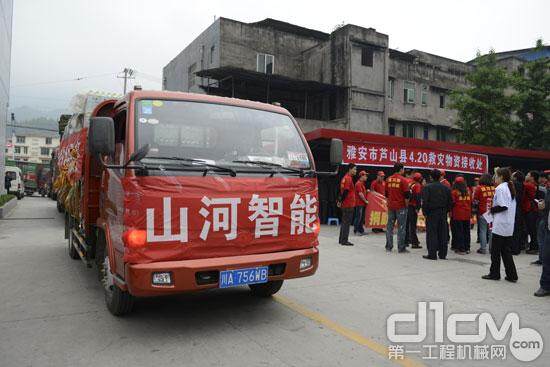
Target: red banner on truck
387,155
71,154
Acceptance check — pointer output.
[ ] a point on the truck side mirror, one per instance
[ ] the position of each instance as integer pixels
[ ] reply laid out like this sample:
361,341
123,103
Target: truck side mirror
101,136
336,151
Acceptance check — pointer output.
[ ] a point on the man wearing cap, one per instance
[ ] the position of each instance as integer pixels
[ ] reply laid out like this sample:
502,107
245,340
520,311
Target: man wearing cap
379,186
436,203
412,210
398,195
346,203
360,204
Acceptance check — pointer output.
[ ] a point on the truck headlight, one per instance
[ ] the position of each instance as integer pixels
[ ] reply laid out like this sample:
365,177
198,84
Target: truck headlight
305,263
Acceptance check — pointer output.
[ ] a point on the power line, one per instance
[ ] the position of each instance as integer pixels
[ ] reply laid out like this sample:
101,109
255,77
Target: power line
128,74
63,81
32,127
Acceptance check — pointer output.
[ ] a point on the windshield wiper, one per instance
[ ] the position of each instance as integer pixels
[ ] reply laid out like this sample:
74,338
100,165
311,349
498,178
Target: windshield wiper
273,165
198,162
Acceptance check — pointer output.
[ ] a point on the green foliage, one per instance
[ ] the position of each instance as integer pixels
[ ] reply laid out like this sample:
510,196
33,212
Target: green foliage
532,83
505,109
485,108
5,198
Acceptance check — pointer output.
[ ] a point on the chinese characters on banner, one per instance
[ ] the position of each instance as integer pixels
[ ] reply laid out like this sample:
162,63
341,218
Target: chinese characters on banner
385,155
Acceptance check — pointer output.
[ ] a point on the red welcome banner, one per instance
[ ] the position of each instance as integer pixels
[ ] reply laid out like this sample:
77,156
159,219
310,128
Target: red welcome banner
71,154
387,155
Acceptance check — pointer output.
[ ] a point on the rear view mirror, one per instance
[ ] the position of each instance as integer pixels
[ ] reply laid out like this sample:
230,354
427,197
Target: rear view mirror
336,151
101,136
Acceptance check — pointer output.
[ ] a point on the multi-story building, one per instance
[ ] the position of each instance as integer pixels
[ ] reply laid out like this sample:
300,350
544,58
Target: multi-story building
6,13
30,145
349,79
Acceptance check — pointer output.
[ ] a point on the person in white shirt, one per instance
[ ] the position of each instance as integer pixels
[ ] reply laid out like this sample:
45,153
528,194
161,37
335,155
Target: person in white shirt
504,213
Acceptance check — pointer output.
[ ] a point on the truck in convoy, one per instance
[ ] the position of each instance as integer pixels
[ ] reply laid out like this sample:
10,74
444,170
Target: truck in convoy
174,192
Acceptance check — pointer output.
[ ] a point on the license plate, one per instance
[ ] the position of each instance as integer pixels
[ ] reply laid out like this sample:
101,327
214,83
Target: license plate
233,278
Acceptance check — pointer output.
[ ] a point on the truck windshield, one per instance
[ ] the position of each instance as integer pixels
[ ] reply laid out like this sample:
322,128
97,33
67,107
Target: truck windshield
218,134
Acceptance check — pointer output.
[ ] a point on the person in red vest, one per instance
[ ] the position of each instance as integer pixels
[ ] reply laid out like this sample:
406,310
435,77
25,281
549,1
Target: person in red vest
529,210
360,204
460,216
412,210
346,202
443,180
379,186
483,200
398,195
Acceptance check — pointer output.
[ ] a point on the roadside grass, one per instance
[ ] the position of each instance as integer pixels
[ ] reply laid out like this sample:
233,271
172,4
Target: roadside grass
5,198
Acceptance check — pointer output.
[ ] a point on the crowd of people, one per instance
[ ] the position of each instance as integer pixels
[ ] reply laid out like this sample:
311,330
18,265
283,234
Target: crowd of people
511,211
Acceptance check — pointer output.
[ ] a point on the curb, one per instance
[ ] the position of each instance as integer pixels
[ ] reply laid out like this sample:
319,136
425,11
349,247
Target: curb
7,208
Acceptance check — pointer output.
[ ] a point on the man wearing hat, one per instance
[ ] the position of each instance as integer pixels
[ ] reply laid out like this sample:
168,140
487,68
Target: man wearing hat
379,186
360,204
346,202
443,180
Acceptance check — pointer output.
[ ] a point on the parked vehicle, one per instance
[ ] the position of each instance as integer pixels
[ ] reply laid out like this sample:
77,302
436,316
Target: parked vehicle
17,185
174,192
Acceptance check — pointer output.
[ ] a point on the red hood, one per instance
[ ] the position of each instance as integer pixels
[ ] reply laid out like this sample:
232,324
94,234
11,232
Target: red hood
201,217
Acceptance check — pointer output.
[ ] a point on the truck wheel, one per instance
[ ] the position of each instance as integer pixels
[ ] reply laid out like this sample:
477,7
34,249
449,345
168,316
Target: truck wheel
59,207
19,196
266,289
73,254
118,301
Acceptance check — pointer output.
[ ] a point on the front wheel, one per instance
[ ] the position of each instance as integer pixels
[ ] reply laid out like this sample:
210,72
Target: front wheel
266,289
118,302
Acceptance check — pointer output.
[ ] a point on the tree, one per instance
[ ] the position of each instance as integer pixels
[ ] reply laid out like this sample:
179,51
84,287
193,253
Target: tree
485,107
532,84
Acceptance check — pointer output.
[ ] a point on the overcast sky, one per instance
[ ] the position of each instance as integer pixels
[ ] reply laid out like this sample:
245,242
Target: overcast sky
59,40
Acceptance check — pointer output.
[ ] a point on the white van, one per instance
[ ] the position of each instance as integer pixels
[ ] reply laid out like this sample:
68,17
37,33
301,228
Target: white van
17,186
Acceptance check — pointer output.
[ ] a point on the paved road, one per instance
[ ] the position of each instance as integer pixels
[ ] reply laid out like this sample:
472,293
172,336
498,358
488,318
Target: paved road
52,311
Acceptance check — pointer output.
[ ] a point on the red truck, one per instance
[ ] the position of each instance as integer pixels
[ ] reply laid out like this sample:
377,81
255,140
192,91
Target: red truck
180,192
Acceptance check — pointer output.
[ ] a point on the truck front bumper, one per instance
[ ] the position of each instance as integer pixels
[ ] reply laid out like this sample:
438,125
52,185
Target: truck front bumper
185,278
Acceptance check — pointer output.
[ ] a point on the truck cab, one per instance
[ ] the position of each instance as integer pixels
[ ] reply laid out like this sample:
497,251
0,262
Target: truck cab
184,192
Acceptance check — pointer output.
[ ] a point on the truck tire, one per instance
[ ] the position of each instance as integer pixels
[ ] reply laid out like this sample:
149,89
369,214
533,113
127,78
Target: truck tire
118,302
59,207
20,196
266,289
73,254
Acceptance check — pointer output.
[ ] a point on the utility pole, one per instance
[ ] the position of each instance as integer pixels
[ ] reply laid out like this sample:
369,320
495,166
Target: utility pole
128,74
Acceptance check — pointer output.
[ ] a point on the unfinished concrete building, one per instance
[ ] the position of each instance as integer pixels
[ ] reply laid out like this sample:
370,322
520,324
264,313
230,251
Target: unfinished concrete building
348,79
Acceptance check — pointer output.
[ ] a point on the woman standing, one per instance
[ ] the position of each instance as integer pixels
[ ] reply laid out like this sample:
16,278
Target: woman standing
460,216
504,213
483,199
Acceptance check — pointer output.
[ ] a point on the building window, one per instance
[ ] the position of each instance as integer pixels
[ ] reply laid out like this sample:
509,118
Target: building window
392,128
191,75
409,131
17,150
20,139
408,92
426,133
212,54
441,134
391,88
424,95
48,141
367,55
265,63
441,101
25,150
44,151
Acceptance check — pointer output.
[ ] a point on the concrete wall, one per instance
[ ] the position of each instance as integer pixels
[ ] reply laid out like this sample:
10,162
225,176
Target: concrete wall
198,52
241,42
6,14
